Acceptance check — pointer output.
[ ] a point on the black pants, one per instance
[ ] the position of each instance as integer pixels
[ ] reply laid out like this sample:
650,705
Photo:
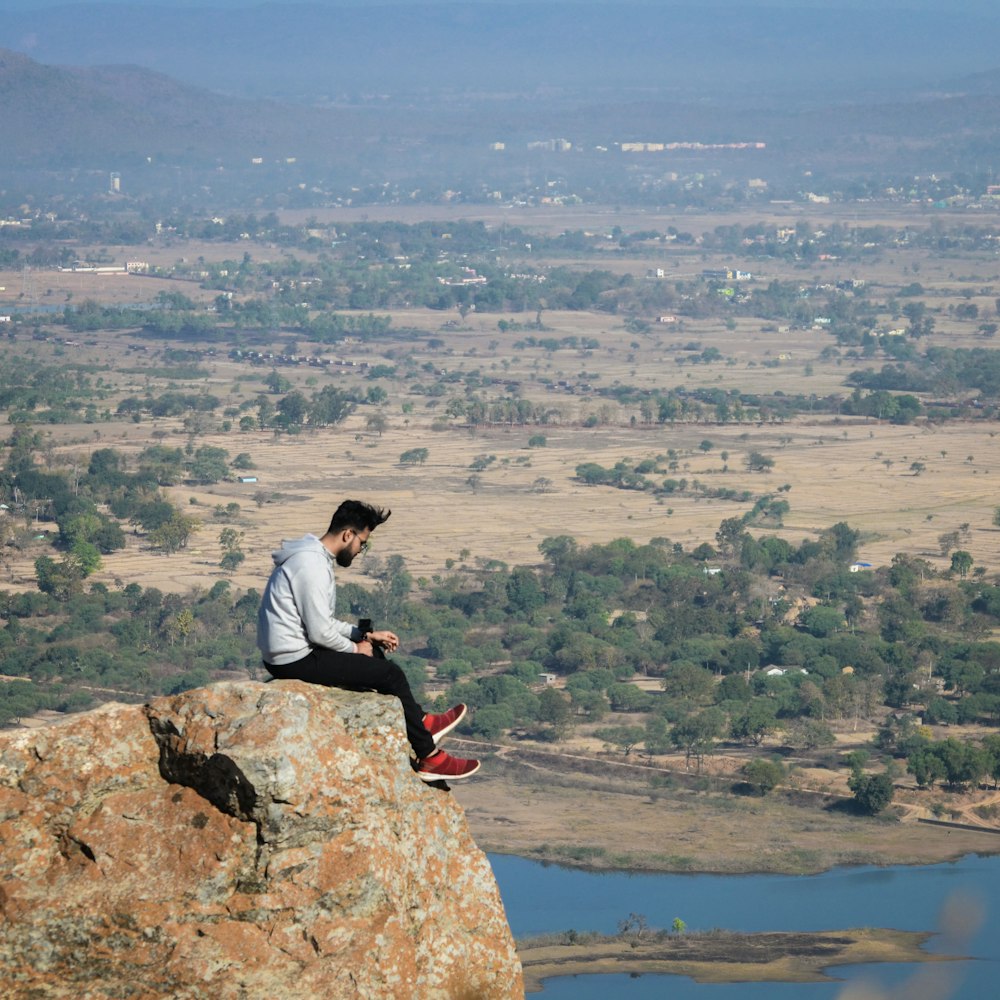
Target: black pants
356,672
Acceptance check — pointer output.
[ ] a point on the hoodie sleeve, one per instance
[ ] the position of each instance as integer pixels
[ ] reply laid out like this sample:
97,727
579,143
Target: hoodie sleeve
315,596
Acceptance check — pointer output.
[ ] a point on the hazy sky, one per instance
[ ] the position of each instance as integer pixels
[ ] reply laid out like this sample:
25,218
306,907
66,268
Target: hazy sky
957,7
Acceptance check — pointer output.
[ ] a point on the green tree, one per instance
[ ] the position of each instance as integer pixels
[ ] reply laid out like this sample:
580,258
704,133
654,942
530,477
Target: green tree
626,697
555,710
151,514
277,383
688,681
292,410
166,464
822,620
231,560
524,592
232,553
872,792
758,462
85,556
624,738
330,406
209,465
378,423
61,579
731,535
181,626
173,535
961,563
753,721
763,775
490,721
696,735
926,767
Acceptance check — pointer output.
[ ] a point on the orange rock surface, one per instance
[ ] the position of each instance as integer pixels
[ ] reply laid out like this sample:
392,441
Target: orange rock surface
238,841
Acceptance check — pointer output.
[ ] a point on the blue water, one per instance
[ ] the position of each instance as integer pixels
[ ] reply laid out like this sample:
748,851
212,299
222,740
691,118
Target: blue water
960,901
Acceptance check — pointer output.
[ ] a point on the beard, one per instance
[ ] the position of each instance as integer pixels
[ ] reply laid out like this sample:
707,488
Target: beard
344,557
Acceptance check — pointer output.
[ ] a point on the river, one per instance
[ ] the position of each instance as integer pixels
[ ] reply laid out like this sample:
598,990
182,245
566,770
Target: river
960,900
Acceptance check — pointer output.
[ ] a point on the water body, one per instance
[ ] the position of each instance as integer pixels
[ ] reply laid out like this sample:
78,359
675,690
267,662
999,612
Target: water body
961,900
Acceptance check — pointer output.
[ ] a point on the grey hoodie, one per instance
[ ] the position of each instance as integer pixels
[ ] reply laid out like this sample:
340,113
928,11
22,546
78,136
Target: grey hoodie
299,603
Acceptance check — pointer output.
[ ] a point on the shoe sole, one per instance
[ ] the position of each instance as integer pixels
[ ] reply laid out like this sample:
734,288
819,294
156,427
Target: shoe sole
447,729
429,776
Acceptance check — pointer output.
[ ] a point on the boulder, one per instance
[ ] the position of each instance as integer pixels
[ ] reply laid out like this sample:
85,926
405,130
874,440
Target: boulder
242,840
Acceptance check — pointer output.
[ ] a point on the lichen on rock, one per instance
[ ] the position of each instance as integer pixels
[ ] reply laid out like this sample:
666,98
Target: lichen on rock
238,841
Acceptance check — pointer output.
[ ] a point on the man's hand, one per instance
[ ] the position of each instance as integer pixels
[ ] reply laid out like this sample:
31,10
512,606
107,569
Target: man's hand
389,641
365,648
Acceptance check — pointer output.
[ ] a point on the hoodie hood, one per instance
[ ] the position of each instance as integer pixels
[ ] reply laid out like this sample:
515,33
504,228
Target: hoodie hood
289,548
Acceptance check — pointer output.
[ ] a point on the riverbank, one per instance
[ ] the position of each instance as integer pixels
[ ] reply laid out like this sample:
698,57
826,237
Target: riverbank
720,956
646,822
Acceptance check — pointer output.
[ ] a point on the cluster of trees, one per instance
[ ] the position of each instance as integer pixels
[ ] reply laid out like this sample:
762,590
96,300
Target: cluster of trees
384,242
322,408
626,474
768,241
384,266
596,615
34,392
953,762
75,649
939,370
394,265
93,503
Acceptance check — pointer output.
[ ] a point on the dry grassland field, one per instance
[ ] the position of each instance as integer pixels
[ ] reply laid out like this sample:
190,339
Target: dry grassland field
832,468
838,468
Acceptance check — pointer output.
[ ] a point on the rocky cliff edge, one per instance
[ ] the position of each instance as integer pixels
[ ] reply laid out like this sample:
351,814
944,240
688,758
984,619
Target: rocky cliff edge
239,841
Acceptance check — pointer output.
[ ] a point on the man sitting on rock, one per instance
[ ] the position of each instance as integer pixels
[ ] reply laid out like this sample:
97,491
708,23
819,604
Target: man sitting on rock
301,639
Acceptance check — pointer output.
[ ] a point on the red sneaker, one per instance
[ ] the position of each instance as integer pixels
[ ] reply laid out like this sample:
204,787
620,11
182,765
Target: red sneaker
440,725
443,767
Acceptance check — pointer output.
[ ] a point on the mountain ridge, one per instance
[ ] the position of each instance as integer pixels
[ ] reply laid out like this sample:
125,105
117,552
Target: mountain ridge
306,50
116,117
71,116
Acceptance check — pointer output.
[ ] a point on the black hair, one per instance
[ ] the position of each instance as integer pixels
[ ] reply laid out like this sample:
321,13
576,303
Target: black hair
357,516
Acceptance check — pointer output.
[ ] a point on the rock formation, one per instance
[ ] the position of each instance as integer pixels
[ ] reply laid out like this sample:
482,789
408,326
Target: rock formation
239,841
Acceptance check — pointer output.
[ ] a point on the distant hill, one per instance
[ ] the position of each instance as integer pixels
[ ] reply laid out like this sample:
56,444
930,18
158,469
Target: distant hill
311,51
980,83
110,117
78,116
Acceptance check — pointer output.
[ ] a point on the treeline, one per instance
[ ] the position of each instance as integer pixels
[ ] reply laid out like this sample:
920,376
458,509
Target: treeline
94,504
72,651
733,664
384,241
938,370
